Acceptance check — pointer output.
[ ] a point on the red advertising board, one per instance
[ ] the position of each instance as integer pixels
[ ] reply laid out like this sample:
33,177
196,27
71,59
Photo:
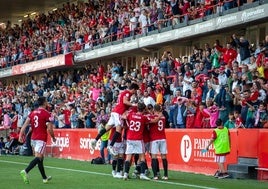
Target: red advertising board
60,60
184,148
248,141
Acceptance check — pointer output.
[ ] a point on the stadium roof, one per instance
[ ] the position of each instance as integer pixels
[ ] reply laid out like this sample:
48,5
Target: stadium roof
15,10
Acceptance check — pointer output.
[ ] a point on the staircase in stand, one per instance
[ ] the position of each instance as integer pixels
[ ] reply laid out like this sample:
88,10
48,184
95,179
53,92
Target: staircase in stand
244,169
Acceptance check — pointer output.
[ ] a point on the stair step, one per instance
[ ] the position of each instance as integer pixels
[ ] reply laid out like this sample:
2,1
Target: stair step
251,174
241,167
248,161
238,175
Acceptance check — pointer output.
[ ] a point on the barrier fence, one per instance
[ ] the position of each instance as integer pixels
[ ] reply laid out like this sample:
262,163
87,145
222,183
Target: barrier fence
184,147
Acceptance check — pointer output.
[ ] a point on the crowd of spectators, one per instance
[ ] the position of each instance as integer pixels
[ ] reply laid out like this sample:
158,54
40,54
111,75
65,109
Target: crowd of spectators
84,25
214,82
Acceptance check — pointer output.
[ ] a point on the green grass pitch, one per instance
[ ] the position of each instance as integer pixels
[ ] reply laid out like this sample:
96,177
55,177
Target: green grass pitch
71,174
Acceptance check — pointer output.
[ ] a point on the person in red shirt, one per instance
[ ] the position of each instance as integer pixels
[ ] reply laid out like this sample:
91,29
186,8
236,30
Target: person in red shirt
67,117
145,67
229,54
101,70
158,143
123,103
14,143
146,140
136,122
126,28
201,117
41,124
238,120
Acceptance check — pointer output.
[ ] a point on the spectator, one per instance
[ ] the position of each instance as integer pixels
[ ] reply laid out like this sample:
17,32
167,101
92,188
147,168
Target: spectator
228,53
228,4
90,118
101,121
179,119
175,12
2,145
201,118
223,79
61,118
74,119
187,84
6,123
243,46
230,123
213,111
261,117
143,23
238,120
189,113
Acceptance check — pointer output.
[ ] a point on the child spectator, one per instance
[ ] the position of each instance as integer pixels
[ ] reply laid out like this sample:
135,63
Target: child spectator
261,117
238,120
230,123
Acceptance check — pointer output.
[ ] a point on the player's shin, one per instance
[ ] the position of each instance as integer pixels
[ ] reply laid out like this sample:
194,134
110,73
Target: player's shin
114,163
120,163
32,164
115,137
41,168
158,169
165,166
102,131
154,166
143,167
127,166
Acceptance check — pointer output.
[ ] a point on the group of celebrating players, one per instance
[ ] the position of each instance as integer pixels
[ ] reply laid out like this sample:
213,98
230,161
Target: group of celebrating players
144,132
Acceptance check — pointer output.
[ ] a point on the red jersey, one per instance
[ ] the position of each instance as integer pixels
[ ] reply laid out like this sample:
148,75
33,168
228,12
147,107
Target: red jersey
146,132
126,30
14,124
14,135
67,116
120,107
136,124
228,54
145,69
157,130
38,120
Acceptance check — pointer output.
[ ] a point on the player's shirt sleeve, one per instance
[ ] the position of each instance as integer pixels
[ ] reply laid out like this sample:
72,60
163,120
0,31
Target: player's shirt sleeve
214,135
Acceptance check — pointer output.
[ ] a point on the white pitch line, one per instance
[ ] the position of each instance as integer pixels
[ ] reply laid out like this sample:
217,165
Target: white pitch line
105,174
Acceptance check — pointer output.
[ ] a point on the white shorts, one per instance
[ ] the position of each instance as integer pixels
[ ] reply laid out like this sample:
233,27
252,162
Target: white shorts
119,147
220,158
114,120
158,146
39,146
135,147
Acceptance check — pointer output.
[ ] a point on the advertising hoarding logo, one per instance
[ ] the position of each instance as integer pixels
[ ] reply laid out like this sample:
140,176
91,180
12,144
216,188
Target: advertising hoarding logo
191,149
62,142
186,148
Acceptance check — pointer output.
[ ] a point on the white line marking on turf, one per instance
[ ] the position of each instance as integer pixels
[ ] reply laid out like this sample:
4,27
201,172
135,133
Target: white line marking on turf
105,174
